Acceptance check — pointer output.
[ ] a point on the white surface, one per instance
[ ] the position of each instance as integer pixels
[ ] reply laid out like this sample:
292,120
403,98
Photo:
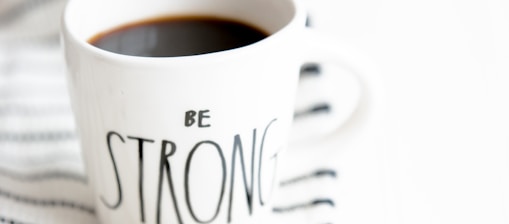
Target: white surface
445,68
439,153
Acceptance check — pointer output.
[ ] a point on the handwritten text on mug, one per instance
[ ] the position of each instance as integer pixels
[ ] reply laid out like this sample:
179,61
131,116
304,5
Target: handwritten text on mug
169,148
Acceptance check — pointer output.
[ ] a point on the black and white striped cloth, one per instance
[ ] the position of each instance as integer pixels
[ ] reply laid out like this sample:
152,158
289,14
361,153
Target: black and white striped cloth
42,178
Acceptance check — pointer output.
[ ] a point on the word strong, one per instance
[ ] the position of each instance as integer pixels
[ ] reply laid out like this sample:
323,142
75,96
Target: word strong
241,174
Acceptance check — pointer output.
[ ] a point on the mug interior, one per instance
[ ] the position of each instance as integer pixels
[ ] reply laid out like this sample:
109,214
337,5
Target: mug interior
86,18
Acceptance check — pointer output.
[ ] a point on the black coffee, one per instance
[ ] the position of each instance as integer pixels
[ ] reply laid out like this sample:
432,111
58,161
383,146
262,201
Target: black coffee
177,36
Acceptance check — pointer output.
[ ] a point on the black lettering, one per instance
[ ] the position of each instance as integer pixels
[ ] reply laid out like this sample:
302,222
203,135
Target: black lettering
189,120
237,146
262,202
165,164
119,186
202,114
275,158
186,181
140,170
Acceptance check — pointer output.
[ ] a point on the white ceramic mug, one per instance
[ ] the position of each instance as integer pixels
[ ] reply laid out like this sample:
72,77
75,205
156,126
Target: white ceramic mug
192,139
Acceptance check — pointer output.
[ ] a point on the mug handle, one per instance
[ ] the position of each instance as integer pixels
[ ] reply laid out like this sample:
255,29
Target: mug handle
328,99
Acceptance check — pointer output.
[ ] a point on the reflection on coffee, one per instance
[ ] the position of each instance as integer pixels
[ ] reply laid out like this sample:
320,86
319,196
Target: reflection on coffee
177,36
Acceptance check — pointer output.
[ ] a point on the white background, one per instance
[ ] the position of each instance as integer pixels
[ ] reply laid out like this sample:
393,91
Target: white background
439,151
442,152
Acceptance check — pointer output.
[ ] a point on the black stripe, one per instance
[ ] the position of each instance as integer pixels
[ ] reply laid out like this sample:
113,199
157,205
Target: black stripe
52,158
310,69
48,202
314,203
6,220
307,177
315,109
47,136
309,22
45,176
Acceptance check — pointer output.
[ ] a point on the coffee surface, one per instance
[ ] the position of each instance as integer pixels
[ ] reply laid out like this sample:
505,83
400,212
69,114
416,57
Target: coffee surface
177,36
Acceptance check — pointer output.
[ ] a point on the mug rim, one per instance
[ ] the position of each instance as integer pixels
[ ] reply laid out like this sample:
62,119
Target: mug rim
298,16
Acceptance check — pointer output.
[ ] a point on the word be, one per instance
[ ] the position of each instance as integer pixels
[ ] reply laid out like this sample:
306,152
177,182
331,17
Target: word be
190,118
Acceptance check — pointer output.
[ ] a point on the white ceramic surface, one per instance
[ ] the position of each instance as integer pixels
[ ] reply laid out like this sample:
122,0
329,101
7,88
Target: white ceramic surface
161,135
